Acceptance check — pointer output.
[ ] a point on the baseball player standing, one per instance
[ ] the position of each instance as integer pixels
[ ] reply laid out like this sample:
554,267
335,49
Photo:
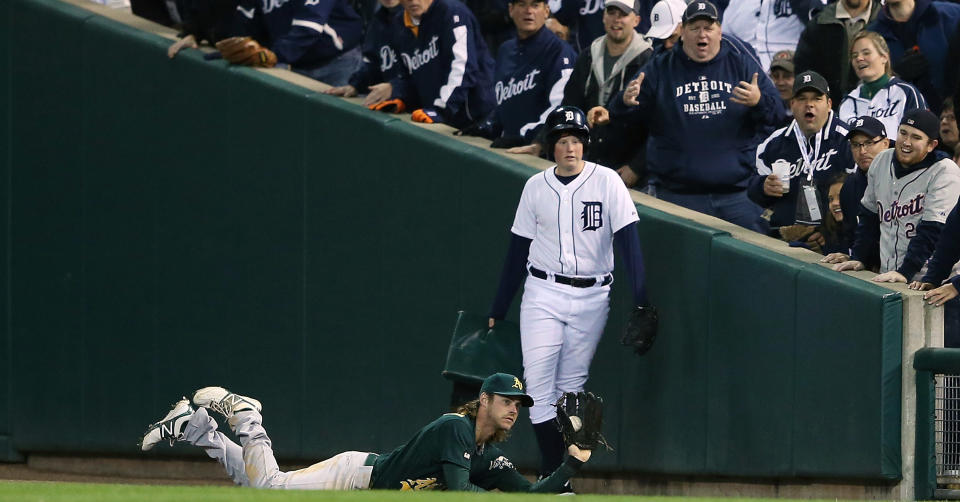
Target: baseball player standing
563,234
910,190
456,451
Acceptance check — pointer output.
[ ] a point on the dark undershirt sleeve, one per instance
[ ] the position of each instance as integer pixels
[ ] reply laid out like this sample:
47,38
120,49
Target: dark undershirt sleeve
514,269
628,243
947,252
920,248
866,244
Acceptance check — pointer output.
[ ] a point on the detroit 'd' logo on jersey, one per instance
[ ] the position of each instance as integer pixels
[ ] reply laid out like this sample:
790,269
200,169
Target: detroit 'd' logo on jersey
897,210
592,215
703,98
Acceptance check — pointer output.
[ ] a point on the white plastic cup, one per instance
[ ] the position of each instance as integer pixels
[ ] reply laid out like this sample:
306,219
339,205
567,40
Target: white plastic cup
781,169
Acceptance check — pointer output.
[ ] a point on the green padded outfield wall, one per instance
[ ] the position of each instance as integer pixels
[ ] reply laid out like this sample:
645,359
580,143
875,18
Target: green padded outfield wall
6,371
180,223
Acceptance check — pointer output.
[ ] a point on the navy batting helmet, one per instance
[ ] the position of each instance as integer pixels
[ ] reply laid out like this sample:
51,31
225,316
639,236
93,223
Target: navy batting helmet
567,120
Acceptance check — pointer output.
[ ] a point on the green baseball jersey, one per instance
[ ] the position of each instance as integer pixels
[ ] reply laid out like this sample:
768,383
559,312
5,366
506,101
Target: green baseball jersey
450,439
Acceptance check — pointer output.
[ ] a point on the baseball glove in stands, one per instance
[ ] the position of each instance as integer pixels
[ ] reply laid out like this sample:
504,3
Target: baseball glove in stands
641,329
580,417
246,51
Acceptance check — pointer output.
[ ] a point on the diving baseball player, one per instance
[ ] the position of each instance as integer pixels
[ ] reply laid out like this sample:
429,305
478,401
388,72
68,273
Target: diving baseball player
454,452
910,190
562,238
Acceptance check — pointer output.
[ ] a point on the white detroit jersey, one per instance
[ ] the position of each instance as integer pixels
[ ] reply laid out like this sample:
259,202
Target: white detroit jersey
927,194
888,105
769,26
572,225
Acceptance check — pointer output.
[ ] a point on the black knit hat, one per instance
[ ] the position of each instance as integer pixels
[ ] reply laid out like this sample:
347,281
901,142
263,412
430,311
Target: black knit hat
924,120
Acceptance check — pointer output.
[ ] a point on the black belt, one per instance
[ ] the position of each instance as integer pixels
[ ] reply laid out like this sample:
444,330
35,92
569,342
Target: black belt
577,282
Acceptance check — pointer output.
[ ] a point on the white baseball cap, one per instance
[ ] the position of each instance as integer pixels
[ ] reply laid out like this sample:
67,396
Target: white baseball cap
665,17
627,6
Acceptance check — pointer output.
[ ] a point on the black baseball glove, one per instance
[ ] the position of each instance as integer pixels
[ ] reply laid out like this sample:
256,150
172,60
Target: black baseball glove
586,411
641,329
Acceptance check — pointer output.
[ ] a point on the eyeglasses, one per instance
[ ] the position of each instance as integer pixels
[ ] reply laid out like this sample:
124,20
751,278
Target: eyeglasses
863,146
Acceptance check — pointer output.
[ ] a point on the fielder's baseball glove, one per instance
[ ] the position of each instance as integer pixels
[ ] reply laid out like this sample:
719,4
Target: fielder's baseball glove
580,416
641,329
246,51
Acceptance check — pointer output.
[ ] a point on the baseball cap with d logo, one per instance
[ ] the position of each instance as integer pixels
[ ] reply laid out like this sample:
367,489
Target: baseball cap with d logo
504,384
810,81
700,9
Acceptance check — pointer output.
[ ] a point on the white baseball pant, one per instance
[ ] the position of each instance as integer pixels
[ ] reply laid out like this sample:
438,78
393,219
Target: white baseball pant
560,327
253,463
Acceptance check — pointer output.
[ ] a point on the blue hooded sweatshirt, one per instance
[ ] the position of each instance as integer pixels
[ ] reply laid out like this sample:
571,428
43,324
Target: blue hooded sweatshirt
700,141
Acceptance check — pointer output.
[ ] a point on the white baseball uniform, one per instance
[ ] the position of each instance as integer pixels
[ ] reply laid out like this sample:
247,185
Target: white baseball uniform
927,194
566,295
769,26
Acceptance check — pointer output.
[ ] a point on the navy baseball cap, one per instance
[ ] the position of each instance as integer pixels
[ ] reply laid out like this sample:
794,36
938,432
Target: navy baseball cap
867,125
700,9
503,384
924,120
810,80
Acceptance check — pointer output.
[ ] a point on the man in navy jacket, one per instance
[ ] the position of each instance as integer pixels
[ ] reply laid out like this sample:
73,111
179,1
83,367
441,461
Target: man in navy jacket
814,146
446,71
317,38
707,104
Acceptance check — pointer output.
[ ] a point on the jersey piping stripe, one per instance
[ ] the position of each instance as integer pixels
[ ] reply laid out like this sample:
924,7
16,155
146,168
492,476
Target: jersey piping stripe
323,29
546,180
573,215
457,67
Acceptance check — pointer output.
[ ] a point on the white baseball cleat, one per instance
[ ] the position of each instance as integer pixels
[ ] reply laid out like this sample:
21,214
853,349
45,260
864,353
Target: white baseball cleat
169,428
224,402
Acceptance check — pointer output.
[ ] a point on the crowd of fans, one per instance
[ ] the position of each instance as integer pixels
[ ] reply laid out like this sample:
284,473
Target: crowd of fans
775,115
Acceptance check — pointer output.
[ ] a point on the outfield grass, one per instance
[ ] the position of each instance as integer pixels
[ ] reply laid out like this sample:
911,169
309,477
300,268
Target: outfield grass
35,491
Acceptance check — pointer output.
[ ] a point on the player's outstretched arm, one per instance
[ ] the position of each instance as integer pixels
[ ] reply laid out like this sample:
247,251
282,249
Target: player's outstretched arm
458,478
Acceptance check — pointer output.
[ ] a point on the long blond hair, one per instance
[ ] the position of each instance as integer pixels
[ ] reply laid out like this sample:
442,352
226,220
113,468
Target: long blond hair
471,408
879,43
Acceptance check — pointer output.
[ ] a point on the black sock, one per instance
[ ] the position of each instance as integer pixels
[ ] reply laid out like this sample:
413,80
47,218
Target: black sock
551,446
